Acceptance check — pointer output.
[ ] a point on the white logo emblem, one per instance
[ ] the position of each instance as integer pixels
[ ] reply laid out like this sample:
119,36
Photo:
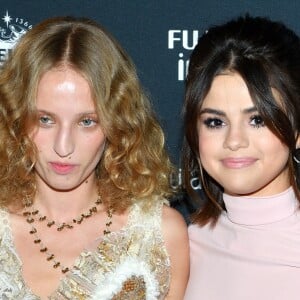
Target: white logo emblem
12,29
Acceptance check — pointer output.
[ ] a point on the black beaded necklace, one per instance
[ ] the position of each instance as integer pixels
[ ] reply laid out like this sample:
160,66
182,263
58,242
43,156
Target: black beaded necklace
32,214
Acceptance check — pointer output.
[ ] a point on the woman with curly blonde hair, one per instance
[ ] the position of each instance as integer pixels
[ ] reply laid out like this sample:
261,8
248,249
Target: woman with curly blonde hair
83,174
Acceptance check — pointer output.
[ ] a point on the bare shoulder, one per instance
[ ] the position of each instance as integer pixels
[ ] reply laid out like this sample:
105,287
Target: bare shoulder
176,241
171,217
174,226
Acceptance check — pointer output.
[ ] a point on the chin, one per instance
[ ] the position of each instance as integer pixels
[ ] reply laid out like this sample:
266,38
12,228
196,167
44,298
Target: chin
62,188
239,191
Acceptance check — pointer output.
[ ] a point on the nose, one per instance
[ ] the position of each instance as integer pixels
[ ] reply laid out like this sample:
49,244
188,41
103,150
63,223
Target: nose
236,138
64,143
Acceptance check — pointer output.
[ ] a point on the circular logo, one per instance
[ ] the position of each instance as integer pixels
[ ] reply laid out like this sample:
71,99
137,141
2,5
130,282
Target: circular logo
11,29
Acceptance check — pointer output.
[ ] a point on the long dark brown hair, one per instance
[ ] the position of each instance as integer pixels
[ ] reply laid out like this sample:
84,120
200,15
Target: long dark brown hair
266,54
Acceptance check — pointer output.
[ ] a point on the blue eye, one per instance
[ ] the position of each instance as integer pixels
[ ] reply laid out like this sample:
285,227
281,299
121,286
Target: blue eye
46,120
88,122
213,123
257,121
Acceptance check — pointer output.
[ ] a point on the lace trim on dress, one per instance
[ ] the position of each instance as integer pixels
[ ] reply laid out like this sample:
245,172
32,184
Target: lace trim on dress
12,285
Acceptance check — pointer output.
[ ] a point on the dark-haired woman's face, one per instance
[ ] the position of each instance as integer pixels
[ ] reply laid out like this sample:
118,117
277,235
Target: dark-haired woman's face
235,146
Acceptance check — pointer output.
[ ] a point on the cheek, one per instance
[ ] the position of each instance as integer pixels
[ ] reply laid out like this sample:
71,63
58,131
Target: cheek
272,147
207,151
39,141
40,136
207,146
101,147
95,144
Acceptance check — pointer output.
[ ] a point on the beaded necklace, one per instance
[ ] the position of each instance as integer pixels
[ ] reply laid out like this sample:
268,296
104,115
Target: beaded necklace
32,214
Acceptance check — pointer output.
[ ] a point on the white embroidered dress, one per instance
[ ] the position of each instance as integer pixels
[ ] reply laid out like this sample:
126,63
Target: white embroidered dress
128,264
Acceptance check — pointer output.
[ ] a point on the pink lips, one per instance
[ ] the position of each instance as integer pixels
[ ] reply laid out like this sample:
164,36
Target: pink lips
61,168
238,163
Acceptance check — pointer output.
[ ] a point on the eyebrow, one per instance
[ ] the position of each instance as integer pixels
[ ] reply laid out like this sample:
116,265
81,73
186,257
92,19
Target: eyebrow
43,111
222,113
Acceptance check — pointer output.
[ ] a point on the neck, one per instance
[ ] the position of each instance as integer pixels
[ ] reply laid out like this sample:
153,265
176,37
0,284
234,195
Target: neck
65,205
261,210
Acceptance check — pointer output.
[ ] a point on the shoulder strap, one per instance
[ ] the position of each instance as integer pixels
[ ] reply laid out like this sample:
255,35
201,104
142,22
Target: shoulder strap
146,214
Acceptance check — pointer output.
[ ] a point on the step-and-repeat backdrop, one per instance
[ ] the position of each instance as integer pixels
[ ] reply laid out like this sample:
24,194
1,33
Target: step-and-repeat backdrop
158,34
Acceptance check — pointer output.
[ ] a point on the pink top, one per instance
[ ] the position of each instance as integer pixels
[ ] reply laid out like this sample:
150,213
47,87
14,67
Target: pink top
253,253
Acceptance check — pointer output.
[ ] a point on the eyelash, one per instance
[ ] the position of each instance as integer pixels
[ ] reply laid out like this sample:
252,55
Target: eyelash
91,120
213,123
47,121
259,121
217,123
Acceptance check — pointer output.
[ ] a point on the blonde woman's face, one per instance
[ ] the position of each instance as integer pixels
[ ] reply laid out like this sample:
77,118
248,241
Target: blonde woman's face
68,135
235,146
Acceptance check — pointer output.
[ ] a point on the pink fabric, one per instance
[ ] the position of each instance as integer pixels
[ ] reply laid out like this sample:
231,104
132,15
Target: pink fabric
253,253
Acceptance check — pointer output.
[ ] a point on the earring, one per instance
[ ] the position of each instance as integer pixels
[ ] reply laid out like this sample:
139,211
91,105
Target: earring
296,155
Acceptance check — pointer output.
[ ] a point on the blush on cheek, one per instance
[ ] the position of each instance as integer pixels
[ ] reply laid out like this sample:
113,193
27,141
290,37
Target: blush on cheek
204,150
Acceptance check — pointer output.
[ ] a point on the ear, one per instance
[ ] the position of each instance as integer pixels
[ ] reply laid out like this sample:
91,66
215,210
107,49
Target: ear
297,140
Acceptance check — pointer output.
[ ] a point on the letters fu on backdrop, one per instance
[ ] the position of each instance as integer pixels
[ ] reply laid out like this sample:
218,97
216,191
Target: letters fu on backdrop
184,40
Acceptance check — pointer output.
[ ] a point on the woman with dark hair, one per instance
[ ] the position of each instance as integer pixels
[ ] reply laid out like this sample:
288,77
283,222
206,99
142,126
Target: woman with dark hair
83,174
242,124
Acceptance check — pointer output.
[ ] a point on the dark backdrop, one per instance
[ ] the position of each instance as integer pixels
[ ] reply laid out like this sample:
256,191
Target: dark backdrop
158,35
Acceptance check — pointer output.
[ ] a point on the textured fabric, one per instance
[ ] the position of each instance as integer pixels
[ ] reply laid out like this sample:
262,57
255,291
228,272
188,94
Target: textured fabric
129,264
253,252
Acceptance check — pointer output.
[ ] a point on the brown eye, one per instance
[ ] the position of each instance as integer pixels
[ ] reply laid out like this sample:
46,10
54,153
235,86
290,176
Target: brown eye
257,121
213,123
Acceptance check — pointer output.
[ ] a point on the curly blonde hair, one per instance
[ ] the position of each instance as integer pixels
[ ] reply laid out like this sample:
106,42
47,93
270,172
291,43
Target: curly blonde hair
134,164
